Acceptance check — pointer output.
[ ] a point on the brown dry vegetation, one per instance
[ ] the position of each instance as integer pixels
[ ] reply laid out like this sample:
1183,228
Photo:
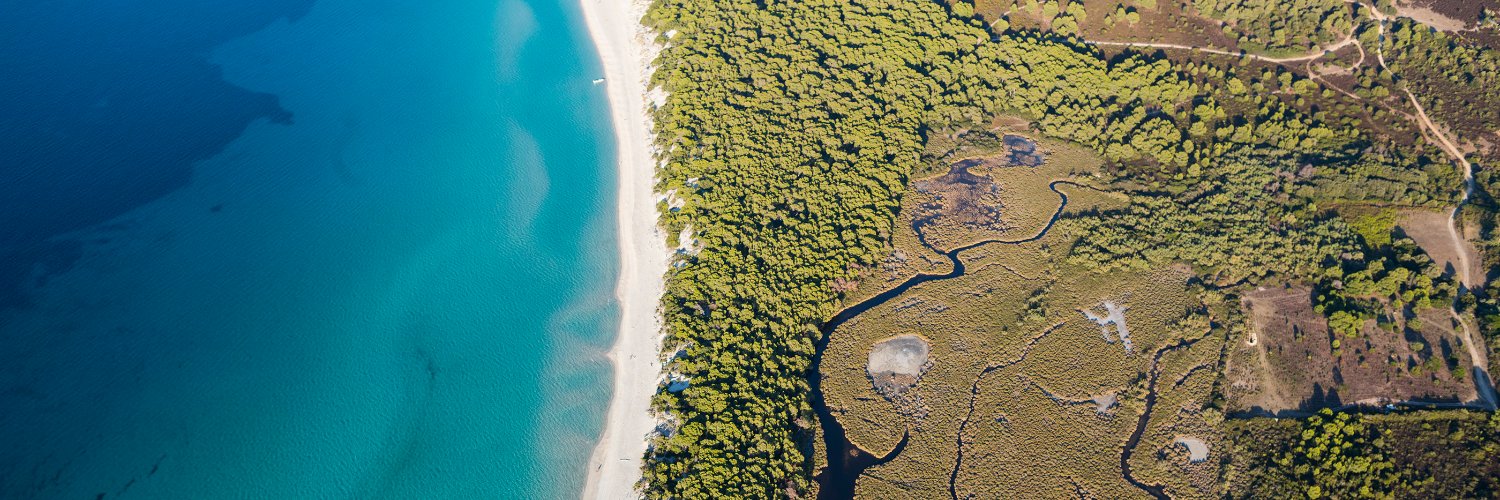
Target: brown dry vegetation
1182,410
1043,373
1446,15
1453,78
966,205
1287,365
963,203
1167,22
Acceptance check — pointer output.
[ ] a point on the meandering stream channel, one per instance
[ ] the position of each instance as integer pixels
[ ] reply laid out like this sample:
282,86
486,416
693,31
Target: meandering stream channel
1157,491
845,460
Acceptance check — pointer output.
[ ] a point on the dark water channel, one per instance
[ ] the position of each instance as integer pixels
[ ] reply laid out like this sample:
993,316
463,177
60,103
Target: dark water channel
1157,491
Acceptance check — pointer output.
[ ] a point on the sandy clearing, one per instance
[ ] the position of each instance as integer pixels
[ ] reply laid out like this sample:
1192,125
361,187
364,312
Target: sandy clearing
900,355
1429,228
1431,18
1314,54
1114,316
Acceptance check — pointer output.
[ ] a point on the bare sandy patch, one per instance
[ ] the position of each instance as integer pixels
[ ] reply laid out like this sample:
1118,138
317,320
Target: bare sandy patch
1114,316
1430,230
897,363
1197,449
1430,17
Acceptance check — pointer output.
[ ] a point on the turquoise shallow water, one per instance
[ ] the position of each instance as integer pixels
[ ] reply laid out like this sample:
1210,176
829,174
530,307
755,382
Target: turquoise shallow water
402,290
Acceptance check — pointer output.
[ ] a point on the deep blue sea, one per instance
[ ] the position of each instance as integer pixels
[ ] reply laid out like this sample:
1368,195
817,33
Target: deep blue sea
283,249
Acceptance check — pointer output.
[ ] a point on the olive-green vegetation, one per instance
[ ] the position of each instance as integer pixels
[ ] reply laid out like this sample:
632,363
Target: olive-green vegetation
1013,355
1454,80
1238,223
1378,281
1374,228
1336,455
1187,405
1025,204
1060,16
801,132
1256,214
1254,221
1452,77
1008,342
1453,454
802,124
1122,14
1281,27
802,120
965,205
1360,151
1014,360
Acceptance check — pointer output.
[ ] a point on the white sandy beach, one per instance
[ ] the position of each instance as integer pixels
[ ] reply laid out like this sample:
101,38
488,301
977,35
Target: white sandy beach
625,53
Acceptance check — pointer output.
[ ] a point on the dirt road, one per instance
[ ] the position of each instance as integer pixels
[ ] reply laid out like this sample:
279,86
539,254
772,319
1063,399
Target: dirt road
1277,60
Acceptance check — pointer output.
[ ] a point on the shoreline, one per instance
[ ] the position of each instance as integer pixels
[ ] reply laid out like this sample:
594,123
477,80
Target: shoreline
614,468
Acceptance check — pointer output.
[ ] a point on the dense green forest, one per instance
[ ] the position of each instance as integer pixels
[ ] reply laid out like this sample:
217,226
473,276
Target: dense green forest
1247,222
1238,223
798,124
1355,287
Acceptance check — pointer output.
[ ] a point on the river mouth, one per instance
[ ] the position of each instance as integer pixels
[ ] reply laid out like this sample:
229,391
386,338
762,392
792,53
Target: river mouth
836,480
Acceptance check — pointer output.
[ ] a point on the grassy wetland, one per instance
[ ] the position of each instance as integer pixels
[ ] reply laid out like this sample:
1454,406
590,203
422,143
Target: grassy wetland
1014,359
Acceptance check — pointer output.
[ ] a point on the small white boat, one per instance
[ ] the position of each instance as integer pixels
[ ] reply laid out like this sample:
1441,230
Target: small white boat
598,81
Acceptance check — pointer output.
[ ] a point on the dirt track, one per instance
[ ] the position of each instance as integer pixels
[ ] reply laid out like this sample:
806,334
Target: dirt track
1277,60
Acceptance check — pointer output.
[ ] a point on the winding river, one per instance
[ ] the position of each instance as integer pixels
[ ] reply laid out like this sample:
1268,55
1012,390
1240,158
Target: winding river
1157,491
845,460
